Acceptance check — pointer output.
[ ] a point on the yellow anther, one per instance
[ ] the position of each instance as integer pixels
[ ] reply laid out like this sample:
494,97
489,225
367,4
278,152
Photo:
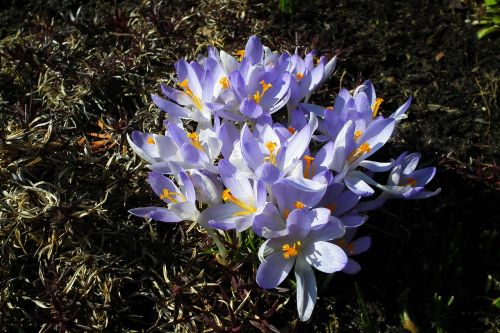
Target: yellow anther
195,141
299,76
291,251
224,82
247,208
240,54
257,96
271,146
411,182
376,106
357,134
195,99
329,108
332,207
171,196
286,212
308,170
291,130
299,205
317,60
151,141
358,152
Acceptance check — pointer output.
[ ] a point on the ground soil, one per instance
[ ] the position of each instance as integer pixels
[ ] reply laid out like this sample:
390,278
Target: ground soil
436,260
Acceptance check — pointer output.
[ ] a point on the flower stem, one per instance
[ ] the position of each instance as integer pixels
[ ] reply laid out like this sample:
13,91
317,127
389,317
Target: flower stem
220,246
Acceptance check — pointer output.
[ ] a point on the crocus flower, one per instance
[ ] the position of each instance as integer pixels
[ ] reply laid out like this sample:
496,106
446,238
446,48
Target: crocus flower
243,200
195,150
305,245
351,151
180,200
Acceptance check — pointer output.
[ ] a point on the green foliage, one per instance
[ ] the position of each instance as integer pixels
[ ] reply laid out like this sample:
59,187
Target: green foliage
288,6
490,19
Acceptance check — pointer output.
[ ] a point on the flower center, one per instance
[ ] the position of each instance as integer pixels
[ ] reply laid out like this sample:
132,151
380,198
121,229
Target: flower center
240,54
299,76
247,209
308,170
195,141
299,205
376,105
258,95
358,152
224,82
171,196
195,99
291,251
151,141
410,182
332,207
271,146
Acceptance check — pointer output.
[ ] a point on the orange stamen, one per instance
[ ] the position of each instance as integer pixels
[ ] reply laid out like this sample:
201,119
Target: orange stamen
151,141
224,82
357,134
195,99
195,141
291,251
299,76
308,171
299,205
376,106
358,152
332,207
291,130
240,54
247,208
271,146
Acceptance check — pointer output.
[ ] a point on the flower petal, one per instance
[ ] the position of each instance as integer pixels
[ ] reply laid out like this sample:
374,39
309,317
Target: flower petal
306,288
273,270
326,257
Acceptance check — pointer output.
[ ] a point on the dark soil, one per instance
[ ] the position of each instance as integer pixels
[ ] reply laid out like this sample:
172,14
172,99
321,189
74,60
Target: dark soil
435,260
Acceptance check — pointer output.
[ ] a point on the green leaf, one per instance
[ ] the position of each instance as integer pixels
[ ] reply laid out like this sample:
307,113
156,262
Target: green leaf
496,303
486,31
490,2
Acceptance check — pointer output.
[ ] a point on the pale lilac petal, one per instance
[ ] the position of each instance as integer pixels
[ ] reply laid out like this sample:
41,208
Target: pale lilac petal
221,216
250,149
273,270
306,288
358,186
340,146
169,107
156,213
376,166
254,50
158,183
352,267
185,210
423,176
326,257
268,173
360,245
240,187
353,221
402,109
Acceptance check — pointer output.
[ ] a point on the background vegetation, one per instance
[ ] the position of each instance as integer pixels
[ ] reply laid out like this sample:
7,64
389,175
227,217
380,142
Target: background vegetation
74,80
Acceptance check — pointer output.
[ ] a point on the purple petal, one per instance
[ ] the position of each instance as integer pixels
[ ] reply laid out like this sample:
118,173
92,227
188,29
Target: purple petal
358,186
326,257
273,270
306,288
352,267
156,213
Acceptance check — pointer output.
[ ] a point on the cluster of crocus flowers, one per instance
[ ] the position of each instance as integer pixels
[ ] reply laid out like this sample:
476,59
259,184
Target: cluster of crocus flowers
303,186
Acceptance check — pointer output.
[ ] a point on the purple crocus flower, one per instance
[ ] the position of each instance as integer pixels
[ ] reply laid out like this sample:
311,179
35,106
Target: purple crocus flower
306,244
404,182
243,200
351,151
195,150
264,155
180,200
